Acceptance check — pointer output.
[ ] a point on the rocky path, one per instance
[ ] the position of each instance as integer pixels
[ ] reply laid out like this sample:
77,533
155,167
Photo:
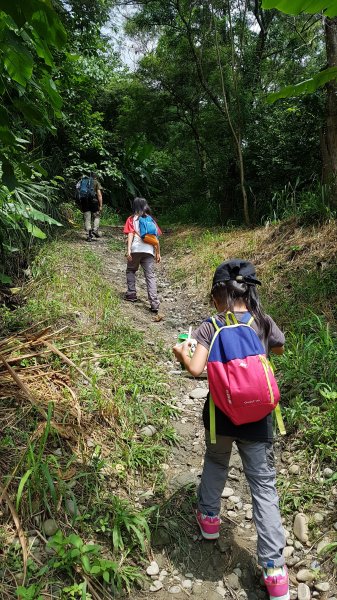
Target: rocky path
185,565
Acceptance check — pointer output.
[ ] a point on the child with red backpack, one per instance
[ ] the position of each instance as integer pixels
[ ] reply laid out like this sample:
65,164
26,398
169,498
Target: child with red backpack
243,393
142,249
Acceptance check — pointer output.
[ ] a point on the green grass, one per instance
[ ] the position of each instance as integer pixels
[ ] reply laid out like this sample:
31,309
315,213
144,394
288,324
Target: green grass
127,391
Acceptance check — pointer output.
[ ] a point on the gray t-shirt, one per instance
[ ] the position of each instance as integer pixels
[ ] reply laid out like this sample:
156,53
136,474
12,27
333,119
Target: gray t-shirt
259,431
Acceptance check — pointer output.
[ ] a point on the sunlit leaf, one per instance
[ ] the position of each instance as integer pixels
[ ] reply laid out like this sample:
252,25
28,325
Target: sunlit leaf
304,87
295,7
34,230
18,61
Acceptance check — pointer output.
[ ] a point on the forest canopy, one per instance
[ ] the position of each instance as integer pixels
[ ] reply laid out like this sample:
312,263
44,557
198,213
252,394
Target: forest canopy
225,113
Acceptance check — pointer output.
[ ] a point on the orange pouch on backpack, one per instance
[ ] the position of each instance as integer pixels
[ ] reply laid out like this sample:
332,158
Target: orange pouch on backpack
151,239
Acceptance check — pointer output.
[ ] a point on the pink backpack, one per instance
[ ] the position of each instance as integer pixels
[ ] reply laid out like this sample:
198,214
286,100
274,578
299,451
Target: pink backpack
241,380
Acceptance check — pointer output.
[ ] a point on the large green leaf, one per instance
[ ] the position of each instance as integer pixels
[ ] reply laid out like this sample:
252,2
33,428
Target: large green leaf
34,230
304,87
295,7
6,136
18,61
31,112
48,87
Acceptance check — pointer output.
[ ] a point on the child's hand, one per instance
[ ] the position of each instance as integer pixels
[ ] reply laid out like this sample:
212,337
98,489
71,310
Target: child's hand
129,257
158,258
181,350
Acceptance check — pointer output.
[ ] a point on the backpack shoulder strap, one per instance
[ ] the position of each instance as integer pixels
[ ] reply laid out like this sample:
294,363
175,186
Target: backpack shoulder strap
247,319
216,324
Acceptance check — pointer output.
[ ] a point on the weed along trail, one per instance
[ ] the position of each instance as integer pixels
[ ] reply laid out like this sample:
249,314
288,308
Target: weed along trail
182,564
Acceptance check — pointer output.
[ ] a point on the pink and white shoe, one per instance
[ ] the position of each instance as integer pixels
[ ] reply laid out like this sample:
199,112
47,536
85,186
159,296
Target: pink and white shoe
276,580
209,525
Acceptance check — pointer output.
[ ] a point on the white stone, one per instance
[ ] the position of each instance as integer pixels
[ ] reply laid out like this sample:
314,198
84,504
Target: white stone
199,393
290,541
303,592
227,492
153,568
305,576
231,514
148,431
156,586
189,575
187,584
298,545
318,517
328,472
174,589
50,527
221,591
235,499
232,581
288,551
322,586
249,515
322,545
300,527
294,469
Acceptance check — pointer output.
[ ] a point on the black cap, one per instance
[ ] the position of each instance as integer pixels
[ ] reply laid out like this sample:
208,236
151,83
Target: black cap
236,269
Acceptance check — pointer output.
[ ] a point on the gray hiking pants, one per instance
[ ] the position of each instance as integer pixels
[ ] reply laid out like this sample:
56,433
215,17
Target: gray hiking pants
258,465
91,220
147,263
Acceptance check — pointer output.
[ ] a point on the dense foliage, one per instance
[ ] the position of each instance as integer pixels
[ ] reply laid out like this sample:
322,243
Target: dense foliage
190,126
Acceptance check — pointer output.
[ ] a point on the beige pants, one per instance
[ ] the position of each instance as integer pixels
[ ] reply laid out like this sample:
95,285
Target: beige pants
91,221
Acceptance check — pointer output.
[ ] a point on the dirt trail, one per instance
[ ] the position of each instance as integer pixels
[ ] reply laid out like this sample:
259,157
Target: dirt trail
209,570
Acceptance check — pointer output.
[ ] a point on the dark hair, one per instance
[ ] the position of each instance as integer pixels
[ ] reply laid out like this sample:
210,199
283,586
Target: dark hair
227,292
140,207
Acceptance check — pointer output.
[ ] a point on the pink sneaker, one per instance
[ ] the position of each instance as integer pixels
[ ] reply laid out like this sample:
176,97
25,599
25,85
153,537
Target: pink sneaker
209,525
276,580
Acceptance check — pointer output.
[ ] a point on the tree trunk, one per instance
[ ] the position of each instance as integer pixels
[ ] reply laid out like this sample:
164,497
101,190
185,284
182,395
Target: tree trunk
329,137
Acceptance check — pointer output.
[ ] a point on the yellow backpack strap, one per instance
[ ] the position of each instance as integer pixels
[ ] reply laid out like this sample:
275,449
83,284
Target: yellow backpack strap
279,420
231,318
212,429
216,326
250,321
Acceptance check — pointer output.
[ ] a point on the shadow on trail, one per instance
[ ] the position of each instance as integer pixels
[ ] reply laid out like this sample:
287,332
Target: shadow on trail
175,533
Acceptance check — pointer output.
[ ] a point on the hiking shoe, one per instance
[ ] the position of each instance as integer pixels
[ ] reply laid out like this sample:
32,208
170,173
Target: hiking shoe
154,310
209,525
96,234
130,298
89,238
276,580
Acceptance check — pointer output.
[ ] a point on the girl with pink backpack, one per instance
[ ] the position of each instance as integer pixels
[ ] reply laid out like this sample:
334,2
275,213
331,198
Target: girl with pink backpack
234,346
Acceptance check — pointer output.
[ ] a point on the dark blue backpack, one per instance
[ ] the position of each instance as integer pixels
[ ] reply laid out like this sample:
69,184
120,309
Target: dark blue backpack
86,191
147,226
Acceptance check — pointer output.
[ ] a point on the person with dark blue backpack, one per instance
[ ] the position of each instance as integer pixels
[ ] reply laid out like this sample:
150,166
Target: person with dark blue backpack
90,200
243,392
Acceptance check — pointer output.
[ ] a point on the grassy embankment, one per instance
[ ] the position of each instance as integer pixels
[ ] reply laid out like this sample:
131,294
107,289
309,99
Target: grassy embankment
83,473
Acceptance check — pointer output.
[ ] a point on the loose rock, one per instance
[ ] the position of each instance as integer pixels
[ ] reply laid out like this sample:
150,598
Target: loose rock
221,591
232,581
322,586
148,431
303,592
156,586
227,492
235,499
328,472
294,469
199,393
300,527
153,568
305,576
288,551
174,589
318,517
322,544
187,584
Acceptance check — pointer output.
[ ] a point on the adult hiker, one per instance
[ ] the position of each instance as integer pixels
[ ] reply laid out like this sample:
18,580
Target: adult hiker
142,249
243,393
89,194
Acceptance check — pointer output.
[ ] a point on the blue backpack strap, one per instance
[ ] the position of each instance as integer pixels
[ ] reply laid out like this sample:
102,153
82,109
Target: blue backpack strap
247,319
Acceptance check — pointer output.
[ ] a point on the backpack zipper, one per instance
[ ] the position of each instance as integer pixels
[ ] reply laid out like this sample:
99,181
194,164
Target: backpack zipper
266,368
